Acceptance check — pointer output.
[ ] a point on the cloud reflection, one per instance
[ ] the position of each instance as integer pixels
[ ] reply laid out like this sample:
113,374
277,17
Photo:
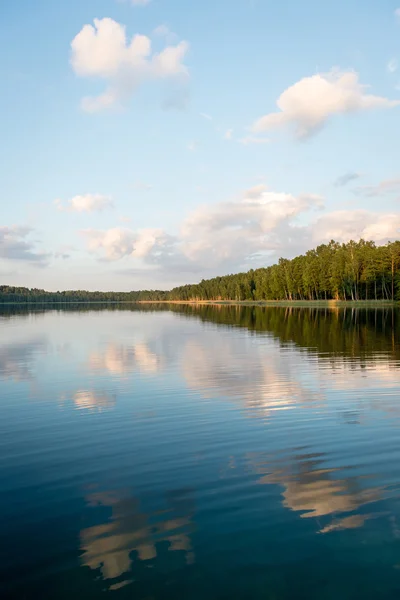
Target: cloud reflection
18,359
318,492
119,359
241,369
110,545
94,401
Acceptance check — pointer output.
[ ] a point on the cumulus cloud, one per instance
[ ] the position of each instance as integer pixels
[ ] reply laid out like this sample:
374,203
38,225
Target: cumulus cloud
103,51
250,231
307,105
240,230
385,187
346,178
16,245
117,243
345,225
85,203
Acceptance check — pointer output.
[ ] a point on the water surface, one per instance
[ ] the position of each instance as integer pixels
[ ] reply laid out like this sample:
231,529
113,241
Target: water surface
212,452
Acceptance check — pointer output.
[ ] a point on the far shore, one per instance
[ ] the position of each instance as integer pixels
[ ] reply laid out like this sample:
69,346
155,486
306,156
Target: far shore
270,303
286,303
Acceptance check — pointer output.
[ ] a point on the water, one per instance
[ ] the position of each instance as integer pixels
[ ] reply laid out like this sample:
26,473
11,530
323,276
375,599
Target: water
214,452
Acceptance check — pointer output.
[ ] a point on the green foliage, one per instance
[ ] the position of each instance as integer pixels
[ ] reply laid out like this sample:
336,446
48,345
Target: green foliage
353,271
34,296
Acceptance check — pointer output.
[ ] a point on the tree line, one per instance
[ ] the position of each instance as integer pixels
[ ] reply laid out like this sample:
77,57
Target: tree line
11,294
353,271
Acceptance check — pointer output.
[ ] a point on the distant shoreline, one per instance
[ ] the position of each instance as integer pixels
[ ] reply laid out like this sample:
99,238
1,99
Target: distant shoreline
286,303
261,303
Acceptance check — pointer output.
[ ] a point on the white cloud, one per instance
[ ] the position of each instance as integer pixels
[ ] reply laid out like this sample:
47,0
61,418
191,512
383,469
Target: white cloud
85,203
251,231
251,139
228,134
308,104
344,225
397,13
392,65
104,52
239,230
206,116
117,243
192,146
16,245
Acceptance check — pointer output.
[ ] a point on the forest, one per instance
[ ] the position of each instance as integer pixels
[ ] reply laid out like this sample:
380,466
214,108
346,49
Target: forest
353,271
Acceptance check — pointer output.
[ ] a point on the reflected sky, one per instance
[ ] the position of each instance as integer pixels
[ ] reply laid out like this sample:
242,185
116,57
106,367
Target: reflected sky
120,360
131,534
89,400
129,464
18,358
315,491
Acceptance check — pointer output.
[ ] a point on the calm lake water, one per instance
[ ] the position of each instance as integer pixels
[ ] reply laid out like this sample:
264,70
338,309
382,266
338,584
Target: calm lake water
212,452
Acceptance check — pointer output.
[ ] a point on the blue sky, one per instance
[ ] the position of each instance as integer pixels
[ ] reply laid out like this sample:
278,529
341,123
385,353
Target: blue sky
229,134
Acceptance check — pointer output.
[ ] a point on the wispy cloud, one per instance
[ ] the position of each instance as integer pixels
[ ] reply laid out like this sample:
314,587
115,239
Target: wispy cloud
137,2
228,134
384,188
346,178
142,185
252,139
163,31
206,116
392,65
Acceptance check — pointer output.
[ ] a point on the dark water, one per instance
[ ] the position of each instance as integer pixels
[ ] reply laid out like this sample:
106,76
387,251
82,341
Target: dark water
199,453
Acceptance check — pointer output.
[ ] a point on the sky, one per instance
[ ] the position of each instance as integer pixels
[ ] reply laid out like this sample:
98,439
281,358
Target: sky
150,143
